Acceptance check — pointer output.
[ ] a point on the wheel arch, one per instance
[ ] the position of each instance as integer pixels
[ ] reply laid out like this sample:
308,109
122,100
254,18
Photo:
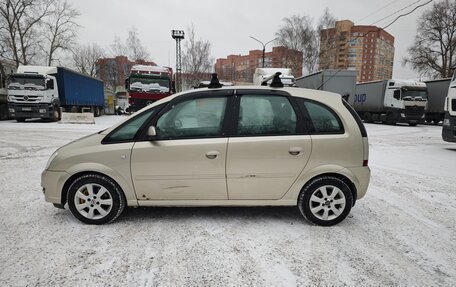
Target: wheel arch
127,192
339,172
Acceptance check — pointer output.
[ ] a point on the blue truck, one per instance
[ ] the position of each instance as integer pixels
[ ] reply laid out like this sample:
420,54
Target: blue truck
44,92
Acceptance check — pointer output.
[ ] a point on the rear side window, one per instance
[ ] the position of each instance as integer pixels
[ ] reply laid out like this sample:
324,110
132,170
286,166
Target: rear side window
266,115
323,120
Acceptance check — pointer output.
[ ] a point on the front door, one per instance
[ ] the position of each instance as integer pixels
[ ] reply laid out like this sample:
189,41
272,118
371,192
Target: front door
187,158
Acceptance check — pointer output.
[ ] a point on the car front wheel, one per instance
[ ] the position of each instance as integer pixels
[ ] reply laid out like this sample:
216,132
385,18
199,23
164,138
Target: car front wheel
325,201
95,199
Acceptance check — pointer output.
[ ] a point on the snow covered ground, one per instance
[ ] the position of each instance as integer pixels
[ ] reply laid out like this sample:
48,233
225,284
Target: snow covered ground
402,233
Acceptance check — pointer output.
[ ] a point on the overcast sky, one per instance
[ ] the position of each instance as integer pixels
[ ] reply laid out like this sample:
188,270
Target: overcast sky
227,25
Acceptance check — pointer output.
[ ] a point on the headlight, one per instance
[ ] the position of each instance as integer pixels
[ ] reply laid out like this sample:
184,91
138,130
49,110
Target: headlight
11,110
51,159
42,111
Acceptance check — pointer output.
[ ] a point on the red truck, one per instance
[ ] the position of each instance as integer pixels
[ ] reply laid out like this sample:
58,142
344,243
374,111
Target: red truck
147,84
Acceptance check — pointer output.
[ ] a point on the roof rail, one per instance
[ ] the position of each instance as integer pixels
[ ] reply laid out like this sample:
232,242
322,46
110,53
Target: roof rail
276,81
214,84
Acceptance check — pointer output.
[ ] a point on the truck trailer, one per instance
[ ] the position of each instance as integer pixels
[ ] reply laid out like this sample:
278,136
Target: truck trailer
449,121
391,101
437,92
43,92
342,82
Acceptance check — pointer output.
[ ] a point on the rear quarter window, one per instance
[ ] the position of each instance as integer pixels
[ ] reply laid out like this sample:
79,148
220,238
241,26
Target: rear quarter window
320,118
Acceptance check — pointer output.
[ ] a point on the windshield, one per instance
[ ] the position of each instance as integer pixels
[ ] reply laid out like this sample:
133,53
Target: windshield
26,82
149,84
414,94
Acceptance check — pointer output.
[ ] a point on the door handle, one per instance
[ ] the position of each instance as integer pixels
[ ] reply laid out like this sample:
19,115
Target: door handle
212,154
295,151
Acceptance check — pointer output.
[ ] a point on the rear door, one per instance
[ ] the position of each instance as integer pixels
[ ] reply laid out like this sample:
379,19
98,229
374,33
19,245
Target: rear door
269,147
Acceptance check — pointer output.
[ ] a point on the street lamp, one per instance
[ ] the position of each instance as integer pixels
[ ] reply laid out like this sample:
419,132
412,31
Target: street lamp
178,35
264,45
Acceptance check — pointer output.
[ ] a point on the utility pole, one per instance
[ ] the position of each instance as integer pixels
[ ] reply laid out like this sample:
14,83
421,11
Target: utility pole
264,45
178,35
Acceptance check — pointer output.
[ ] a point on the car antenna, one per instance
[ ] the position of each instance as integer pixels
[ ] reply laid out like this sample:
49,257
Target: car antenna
276,81
214,84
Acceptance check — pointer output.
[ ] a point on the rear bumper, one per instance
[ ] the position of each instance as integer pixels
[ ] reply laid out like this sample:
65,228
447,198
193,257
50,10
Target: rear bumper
361,180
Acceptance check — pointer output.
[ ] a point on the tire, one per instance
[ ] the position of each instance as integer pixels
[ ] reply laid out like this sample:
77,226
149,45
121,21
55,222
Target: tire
20,120
413,124
95,199
368,117
317,201
56,114
390,120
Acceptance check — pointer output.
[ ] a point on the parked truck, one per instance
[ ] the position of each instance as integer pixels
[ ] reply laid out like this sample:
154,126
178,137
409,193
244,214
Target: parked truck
437,92
147,84
391,101
43,92
342,82
261,74
449,121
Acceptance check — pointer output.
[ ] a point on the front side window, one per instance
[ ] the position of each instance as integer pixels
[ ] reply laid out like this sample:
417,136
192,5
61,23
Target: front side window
266,115
200,117
323,119
128,131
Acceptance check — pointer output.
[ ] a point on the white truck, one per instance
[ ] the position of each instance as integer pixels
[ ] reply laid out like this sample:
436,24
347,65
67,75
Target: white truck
449,122
288,80
391,101
43,92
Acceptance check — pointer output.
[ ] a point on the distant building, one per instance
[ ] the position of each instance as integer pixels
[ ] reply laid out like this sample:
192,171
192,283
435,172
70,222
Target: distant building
114,71
239,69
367,49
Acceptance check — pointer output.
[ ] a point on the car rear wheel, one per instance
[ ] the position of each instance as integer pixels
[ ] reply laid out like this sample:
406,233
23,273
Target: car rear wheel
325,201
95,199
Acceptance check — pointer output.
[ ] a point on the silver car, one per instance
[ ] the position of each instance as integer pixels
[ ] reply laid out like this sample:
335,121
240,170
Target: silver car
229,146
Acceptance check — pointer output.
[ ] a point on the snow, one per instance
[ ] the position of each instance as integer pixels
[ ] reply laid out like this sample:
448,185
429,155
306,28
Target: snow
402,233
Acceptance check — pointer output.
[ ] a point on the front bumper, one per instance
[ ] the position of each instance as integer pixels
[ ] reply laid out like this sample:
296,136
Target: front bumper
449,128
52,183
30,110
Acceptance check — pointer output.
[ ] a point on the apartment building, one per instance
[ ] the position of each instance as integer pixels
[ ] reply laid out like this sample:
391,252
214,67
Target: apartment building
239,69
367,49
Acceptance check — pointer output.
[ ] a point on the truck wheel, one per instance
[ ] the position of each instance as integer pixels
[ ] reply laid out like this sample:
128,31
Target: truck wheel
413,124
325,200
368,117
95,199
20,120
96,111
56,114
390,120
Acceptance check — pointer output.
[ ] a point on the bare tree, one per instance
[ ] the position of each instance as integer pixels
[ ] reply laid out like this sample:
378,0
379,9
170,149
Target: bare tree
60,29
297,33
85,58
118,48
434,50
196,58
136,50
20,20
325,47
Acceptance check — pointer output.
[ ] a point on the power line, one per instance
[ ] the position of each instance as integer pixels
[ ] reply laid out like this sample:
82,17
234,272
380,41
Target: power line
376,11
398,11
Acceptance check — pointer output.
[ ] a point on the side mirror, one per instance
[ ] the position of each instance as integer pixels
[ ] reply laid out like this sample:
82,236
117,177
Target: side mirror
151,133
397,94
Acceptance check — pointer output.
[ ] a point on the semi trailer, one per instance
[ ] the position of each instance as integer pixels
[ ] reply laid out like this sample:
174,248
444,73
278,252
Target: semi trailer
437,92
391,101
43,92
449,121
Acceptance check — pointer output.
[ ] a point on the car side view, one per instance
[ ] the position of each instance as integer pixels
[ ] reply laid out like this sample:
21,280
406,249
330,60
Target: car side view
219,146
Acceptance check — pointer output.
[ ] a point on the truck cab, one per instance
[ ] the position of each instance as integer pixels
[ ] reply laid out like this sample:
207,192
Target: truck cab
33,95
408,100
449,122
